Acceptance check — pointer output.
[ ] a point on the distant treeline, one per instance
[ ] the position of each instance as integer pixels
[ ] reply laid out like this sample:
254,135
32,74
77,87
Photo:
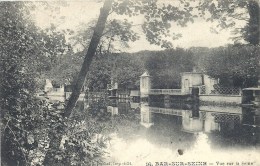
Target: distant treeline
234,65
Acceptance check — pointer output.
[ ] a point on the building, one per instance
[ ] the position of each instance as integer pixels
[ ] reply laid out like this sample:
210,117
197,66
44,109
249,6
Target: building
58,93
191,80
112,90
48,86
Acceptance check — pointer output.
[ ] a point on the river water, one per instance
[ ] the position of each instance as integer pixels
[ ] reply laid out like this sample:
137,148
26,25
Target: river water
182,132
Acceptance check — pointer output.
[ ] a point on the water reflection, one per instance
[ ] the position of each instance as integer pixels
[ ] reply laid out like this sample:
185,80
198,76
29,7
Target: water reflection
184,131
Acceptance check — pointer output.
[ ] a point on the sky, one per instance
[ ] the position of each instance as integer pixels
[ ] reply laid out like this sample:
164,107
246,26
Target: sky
75,13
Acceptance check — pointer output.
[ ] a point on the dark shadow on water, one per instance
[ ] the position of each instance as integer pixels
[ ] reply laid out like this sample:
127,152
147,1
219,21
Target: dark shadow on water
177,124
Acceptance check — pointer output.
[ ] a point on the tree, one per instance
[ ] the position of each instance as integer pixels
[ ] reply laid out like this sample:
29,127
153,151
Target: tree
23,57
122,68
228,12
126,70
18,48
167,65
56,139
66,69
235,65
200,56
251,31
152,28
100,72
116,31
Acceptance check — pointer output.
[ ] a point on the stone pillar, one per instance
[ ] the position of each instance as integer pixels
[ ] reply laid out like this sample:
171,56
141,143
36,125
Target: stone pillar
145,85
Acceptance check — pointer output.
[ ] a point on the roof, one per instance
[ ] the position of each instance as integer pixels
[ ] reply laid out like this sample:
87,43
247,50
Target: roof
48,83
145,74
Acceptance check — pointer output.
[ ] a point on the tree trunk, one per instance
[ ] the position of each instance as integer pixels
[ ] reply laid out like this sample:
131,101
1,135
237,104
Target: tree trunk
98,31
258,6
258,38
253,33
253,28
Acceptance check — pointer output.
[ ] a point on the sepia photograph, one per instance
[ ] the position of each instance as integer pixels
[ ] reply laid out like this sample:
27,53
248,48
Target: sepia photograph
130,82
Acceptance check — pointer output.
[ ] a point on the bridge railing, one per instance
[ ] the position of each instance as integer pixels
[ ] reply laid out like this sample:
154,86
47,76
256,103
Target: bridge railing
165,92
219,90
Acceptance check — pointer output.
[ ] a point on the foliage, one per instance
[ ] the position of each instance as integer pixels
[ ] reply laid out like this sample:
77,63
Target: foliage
23,50
82,142
100,73
251,32
27,52
158,18
66,70
200,56
17,85
167,66
232,12
123,68
54,45
116,32
127,71
126,68
89,133
238,64
96,38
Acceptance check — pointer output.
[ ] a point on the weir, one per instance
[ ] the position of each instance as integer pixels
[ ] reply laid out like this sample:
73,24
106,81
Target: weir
194,86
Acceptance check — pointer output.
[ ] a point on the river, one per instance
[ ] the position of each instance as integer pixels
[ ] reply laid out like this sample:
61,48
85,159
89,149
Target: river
182,132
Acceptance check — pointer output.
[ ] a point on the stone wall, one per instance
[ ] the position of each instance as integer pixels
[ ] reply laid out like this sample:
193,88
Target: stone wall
221,99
